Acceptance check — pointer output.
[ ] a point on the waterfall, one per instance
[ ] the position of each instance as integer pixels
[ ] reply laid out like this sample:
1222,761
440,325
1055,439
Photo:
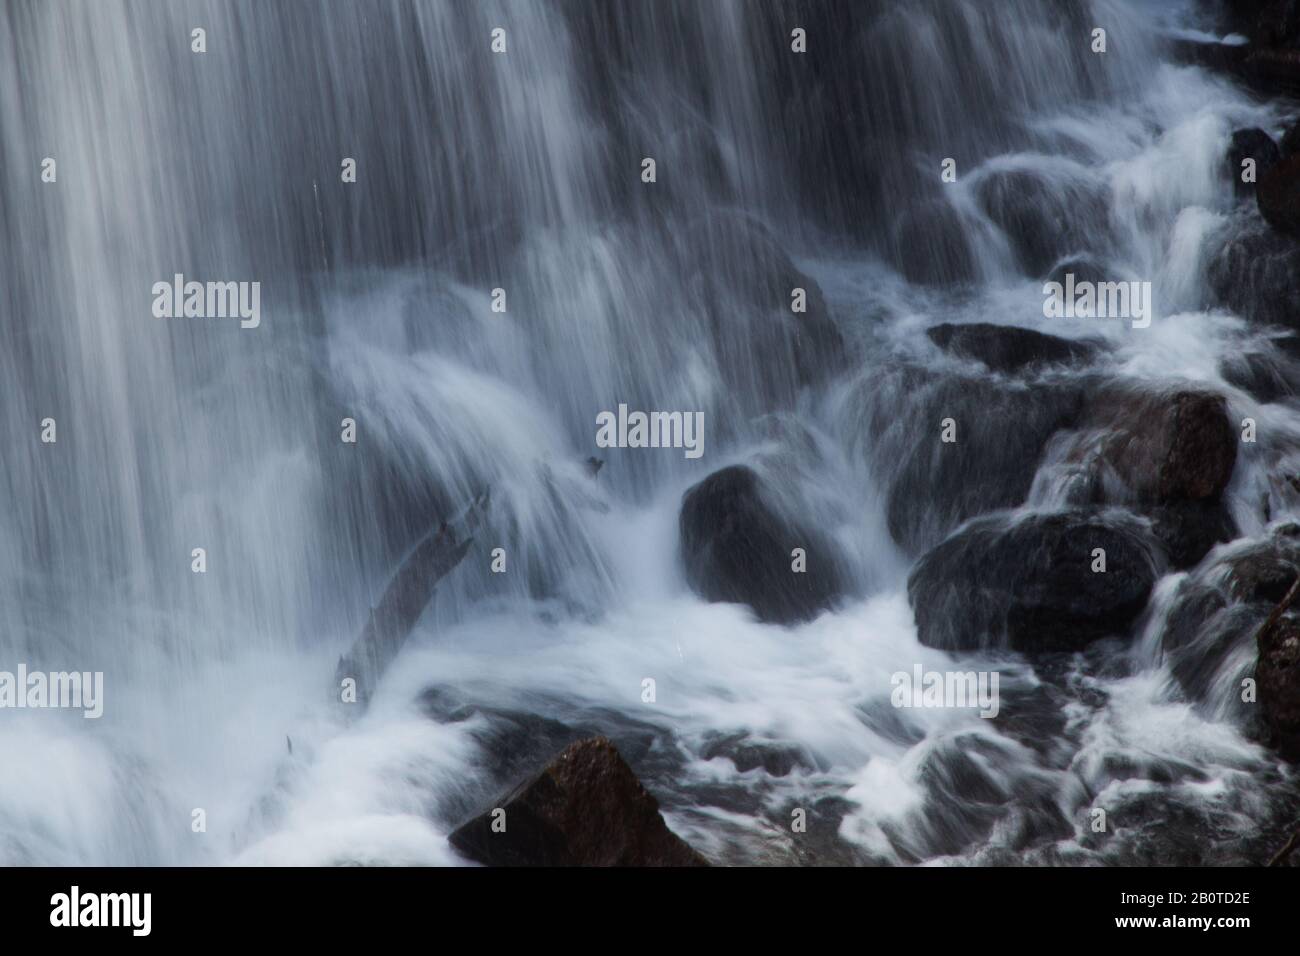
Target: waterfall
497,276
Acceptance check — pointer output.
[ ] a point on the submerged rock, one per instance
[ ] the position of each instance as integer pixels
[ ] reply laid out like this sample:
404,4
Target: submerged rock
1033,583
586,808
736,546
1009,348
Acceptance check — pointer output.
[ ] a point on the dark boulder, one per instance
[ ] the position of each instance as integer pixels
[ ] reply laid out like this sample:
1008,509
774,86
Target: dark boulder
1043,221
1001,429
1168,455
743,280
1008,348
1164,446
1251,144
1029,582
1188,530
1278,196
1277,676
931,245
737,543
586,808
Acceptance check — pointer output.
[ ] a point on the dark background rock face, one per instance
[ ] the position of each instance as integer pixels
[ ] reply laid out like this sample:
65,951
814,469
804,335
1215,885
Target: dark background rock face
586,808
736,547
1028,583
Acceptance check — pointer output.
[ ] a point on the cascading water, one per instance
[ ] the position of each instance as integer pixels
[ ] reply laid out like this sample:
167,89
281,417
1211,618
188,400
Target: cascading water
521,171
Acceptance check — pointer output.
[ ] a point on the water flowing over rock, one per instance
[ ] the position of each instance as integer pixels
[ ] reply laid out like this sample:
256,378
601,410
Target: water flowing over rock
1210,633
737,546
586,808
1033,583
1009,349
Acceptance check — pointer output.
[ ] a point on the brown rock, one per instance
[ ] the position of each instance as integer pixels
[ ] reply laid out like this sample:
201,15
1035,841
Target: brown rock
1278,677
586,808
1172,447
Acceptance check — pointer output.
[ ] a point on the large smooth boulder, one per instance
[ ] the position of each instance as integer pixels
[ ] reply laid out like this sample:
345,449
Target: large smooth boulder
1278,196
737,543
1009,348
586,808
1029,582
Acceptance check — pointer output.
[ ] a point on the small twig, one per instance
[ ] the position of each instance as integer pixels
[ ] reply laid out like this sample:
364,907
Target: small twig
1285,852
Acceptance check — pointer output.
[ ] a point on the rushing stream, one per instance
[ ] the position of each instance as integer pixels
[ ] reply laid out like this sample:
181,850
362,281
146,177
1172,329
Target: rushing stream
522,171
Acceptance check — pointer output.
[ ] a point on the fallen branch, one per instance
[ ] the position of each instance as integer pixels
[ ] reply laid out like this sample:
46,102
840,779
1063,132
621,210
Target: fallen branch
404,600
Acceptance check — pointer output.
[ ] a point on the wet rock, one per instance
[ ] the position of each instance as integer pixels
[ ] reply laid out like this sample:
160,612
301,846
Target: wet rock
930,245
736,544
1006,348
748,753
743,280
1165,447
1250,144
586,808
1169,456
1001,429
1043,221
1188,530
1278,196
1028,583
1278,678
